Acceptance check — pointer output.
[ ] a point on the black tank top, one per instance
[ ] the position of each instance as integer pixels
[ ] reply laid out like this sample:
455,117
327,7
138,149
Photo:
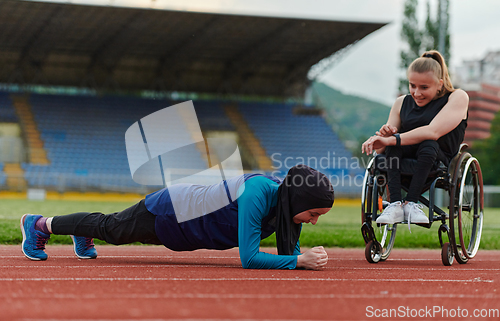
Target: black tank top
413,116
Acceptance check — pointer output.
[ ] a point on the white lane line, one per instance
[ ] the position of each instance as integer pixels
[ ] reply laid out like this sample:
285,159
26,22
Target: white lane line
410,259
246,279
195,257
420,269
166,265
138,256
248,296
203,319
170,265
230,257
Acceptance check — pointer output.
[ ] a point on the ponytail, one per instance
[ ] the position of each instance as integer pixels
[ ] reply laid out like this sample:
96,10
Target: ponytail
433,61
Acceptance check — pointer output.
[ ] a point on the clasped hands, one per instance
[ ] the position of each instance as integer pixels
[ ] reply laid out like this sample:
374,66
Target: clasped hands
313,259
379,140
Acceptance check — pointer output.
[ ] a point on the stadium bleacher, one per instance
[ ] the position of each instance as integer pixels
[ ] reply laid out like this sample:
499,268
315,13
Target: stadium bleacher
7,115
291,139
84,139
7,112
216,54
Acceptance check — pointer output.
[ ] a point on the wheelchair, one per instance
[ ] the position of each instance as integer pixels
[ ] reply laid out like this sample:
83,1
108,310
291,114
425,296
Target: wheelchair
461,179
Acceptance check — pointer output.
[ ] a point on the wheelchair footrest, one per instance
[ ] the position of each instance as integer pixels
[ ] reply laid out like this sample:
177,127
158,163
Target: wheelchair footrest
427,225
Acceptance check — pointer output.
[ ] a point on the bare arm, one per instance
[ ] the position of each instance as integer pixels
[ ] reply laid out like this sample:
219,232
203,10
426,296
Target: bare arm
387,130
393,124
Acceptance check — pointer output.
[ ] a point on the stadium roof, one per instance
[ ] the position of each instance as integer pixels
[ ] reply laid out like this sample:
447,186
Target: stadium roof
105,47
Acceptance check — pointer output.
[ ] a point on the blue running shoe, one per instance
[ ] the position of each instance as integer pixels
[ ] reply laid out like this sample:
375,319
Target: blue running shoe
84,247
33,240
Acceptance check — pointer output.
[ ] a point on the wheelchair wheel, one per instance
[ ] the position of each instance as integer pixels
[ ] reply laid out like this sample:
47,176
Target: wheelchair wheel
470,208
373,252
374,199
447,254
467,208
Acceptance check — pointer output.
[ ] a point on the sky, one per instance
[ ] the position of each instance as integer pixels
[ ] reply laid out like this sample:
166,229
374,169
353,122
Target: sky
370,68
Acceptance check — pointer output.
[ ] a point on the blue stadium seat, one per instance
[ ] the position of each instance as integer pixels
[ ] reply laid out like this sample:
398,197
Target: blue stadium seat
7,111
84,135
290,139
84,138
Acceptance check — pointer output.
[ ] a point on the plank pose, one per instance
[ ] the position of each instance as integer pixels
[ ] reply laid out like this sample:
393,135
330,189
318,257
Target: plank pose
257,206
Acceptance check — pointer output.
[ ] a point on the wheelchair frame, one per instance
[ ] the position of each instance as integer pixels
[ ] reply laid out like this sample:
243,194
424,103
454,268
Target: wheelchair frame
463,181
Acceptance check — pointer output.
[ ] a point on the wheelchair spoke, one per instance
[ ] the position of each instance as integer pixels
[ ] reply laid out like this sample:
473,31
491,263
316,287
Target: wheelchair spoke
373,201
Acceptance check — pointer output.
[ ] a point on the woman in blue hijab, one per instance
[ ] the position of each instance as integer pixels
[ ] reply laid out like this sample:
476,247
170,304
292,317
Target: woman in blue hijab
182,218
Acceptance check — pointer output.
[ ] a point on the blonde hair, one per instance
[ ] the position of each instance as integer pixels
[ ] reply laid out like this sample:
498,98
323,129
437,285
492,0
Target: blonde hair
433,61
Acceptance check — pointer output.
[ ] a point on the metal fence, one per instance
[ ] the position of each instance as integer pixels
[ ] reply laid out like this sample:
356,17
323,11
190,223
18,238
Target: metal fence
66,182
119,183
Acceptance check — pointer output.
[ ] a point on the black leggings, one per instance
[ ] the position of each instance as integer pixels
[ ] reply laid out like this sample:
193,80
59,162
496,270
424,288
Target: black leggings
134,224
426,153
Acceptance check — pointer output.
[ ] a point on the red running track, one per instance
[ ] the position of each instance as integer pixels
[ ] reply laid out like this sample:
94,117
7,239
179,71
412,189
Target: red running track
153,283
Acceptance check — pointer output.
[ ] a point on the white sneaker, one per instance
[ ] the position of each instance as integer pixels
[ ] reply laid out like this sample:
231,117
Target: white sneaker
414,214
393,213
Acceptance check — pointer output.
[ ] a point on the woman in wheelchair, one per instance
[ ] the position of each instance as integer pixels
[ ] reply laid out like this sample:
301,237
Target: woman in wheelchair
427,125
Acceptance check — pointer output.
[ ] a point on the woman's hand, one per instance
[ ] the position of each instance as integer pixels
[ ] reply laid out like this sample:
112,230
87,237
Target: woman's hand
313,259
387,130
375,142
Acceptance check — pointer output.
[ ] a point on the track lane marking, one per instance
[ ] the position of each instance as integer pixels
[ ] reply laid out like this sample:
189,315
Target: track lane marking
244,279
175,319
202,257
231,257
166,266
251,296
169,266
132,256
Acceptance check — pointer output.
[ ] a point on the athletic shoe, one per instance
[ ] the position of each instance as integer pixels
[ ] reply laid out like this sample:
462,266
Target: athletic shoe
84,247
33,240
392,214
414,214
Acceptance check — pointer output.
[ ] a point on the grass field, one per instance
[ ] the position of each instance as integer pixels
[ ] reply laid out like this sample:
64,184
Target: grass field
338,228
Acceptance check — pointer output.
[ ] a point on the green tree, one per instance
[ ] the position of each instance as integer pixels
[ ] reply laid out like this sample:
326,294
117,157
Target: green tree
488,154
432,27
412,35
431,36
420,40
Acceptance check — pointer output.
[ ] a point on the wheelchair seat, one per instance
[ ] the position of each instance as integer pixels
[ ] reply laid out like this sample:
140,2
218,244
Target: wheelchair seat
408,166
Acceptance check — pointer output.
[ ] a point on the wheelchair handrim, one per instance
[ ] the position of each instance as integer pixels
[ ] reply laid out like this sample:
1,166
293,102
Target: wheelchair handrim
477,197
